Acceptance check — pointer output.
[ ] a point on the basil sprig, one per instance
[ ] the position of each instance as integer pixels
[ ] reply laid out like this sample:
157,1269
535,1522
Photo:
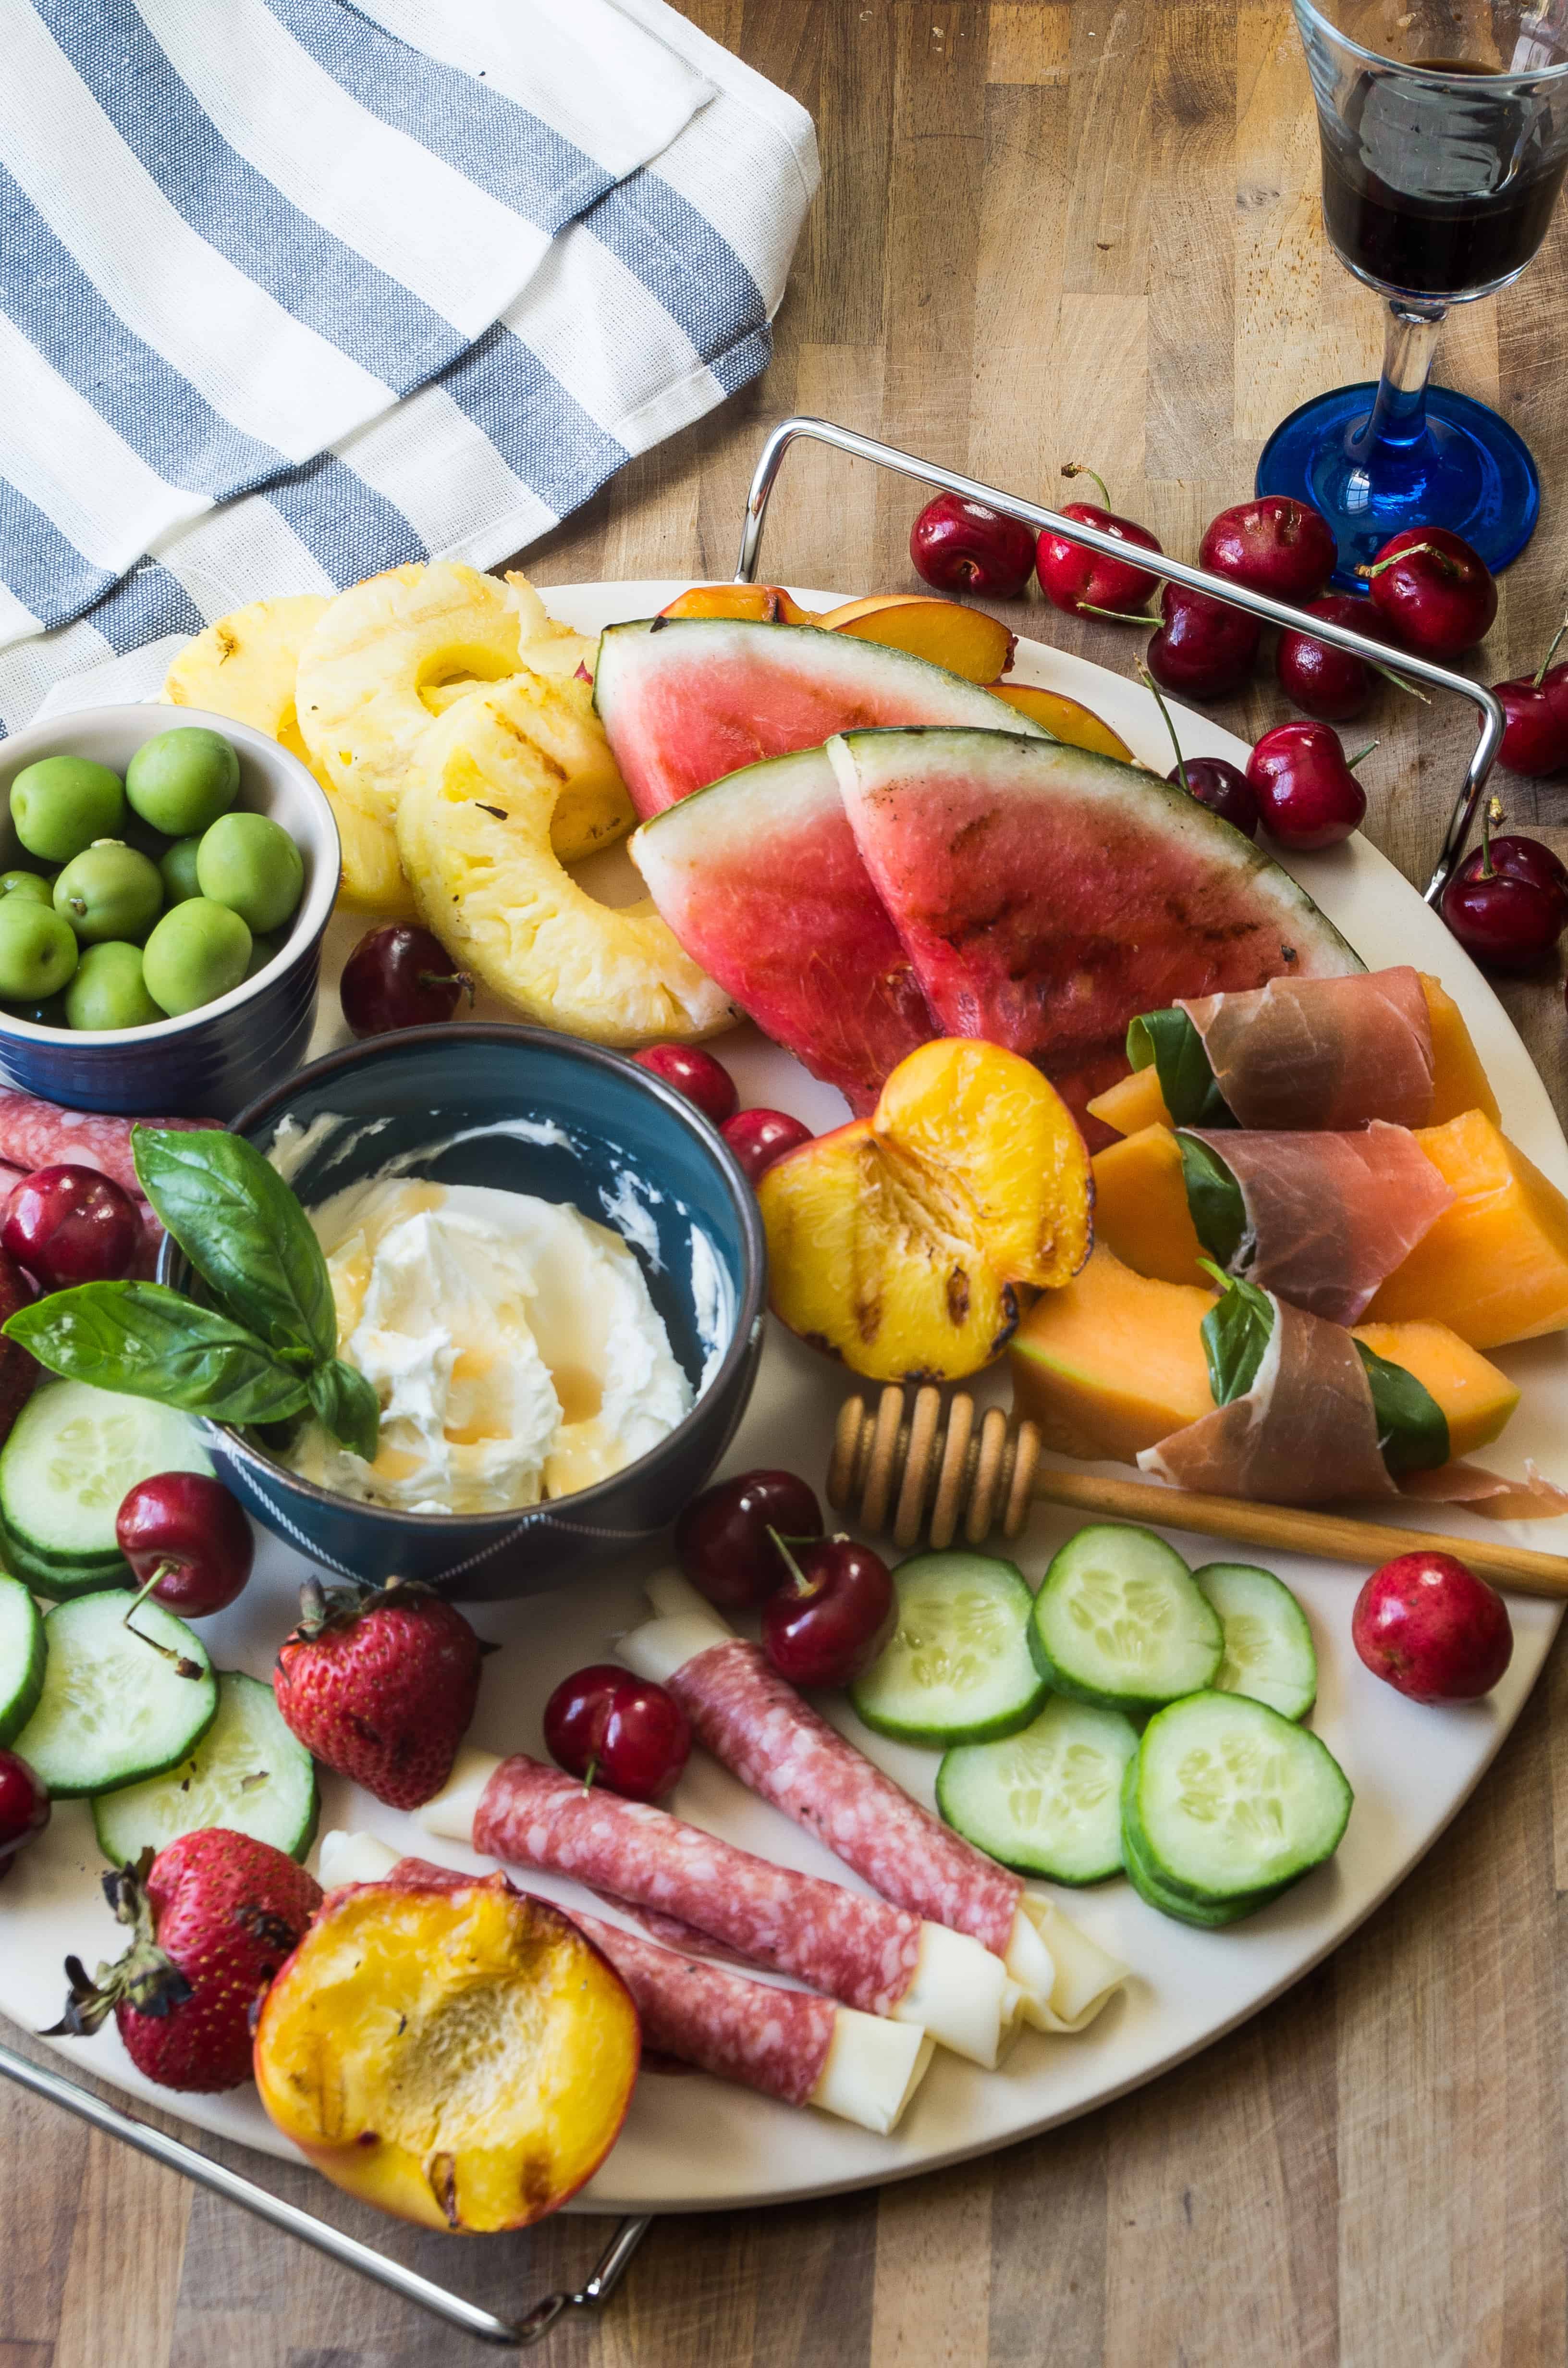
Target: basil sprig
1169,1042
1412,1430
265,1353
1215,1200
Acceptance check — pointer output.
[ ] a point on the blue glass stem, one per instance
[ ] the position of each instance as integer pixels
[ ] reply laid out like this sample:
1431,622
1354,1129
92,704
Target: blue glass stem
1396,424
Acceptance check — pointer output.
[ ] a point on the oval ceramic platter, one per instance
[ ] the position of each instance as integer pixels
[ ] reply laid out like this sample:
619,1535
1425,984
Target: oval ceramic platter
690,2142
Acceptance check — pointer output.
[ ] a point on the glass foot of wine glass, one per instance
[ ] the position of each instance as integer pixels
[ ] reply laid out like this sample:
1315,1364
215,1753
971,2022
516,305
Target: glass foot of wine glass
1464,467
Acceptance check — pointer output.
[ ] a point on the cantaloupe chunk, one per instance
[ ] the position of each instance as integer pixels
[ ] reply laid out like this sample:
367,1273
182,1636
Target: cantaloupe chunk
1494,1267
1141,1211
1114,1362
1458,1081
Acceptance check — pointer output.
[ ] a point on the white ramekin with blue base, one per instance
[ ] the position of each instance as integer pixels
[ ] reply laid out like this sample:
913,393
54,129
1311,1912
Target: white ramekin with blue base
528,1110
210,1062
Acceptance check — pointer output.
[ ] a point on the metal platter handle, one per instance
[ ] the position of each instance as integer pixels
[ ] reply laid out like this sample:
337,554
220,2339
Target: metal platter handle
456,2309
1175,570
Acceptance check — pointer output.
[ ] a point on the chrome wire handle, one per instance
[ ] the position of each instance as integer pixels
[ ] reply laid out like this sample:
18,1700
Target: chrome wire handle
455,2308
1175,570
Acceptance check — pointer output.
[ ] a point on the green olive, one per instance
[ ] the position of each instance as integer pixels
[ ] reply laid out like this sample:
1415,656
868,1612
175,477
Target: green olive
198,951
177,864
262,950
248,862
108,990
37,950
109,890
181,781
62,803
31,886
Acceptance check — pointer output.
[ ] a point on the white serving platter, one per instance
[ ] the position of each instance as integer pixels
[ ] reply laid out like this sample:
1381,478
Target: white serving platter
692,2143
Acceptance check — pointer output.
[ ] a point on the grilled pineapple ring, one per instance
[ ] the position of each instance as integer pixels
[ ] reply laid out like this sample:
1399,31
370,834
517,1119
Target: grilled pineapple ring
245,665
473,828
389,653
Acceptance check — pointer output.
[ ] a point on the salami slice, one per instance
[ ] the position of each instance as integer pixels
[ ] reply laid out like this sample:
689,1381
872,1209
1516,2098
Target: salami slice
35,1134
1321,1052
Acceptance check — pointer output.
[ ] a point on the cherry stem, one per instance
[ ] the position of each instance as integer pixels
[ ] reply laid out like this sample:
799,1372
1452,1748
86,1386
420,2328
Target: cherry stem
1116,616
589,1772
1351,762
1446,563
1491,815
184,1665
1081,469
458,978
1540,674
800,1583
1147,679
1399,683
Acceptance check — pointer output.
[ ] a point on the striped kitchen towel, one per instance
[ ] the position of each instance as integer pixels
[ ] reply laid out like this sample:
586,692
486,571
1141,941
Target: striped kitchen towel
294,290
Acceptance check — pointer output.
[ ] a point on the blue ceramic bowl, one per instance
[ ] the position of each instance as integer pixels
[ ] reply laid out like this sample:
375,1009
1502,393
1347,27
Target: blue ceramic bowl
581,1125
210,1062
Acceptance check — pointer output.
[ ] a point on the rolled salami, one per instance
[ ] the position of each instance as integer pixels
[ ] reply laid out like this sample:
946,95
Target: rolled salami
755,1722
861,1951
35,1134
785,2043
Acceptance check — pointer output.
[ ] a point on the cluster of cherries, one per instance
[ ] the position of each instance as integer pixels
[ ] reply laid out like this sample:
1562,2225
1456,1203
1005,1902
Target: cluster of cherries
753,1543
1427,592
757,1137
190,1545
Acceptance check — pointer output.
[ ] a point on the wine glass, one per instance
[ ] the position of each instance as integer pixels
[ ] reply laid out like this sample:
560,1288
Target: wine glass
1444,129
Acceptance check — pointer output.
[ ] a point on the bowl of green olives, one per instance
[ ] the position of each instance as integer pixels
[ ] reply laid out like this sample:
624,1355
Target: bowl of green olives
166,878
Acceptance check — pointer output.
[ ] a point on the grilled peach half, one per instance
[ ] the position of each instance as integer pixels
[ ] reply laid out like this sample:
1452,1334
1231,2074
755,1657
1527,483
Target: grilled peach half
448,2049
900,1242
965,640
757,604
1065,719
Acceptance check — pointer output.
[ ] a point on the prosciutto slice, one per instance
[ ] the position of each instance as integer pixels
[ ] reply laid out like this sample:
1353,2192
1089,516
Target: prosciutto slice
1304,1434
1533,1499
1329,1216
1316,1052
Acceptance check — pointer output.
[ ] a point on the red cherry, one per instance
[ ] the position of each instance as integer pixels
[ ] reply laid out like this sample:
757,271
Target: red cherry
1306,795
1222,788
1535,736
188,1540
1501,920
70,1225
1079,580
1433,590
726,1539
957,545
1428,1627
695,1074
758,1137
1203,648
826,1624
400,976
1330,683
24,1807
1522,858
610,1728
1275,544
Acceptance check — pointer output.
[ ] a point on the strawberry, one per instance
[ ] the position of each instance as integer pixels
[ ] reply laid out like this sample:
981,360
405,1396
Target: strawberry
380,1684
214,1915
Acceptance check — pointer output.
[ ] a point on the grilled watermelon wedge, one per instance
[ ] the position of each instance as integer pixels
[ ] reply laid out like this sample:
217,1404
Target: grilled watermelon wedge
1046,895
686,699
760,879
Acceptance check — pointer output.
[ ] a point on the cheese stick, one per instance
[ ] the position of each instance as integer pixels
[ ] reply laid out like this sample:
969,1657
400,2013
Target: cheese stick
859,1950
755,1722
785,2043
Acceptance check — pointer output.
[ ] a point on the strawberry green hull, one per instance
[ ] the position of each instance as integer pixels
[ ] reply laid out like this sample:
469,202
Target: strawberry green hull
686,700
761,880
1046,895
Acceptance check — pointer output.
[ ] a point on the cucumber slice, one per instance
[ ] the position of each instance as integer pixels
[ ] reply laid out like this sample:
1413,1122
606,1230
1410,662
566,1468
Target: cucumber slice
1120,1623
21,1657
958,1667
1171,1903
1048,1800
1268,1645
1231,1799
48,1575
72,1454
247,1773
113,1709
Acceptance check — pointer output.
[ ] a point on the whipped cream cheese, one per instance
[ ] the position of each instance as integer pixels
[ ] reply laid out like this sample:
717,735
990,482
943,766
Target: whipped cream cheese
511,1341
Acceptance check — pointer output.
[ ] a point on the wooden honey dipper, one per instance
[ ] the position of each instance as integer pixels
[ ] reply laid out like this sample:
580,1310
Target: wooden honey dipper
901,1469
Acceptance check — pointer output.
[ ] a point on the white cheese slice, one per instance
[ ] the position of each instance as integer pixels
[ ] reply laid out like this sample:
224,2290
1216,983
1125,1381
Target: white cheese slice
962,1996
660,1647
1082,1975
452,1812
670,1591
352,1857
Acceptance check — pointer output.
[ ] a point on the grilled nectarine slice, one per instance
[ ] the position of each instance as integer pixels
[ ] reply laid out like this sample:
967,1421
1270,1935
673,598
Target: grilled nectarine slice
757,604
448,2049
897,1243
965,640
1065,719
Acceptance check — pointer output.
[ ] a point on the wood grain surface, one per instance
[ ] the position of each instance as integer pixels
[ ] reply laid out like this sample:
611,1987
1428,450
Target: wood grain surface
1047,230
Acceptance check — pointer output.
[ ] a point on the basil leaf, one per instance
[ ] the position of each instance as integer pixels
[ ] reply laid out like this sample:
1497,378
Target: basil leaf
1235,1332
149,1342
245,1234
348,1404
1413,1430
1214,1197
1169,1042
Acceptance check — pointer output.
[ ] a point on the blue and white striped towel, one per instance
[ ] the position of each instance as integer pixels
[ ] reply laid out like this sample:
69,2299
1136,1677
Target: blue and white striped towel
293,290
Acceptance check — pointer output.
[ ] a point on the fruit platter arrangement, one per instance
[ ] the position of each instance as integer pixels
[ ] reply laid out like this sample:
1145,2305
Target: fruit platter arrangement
411,1752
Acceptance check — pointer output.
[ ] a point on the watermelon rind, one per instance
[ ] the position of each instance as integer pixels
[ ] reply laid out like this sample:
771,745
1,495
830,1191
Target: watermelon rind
686,700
